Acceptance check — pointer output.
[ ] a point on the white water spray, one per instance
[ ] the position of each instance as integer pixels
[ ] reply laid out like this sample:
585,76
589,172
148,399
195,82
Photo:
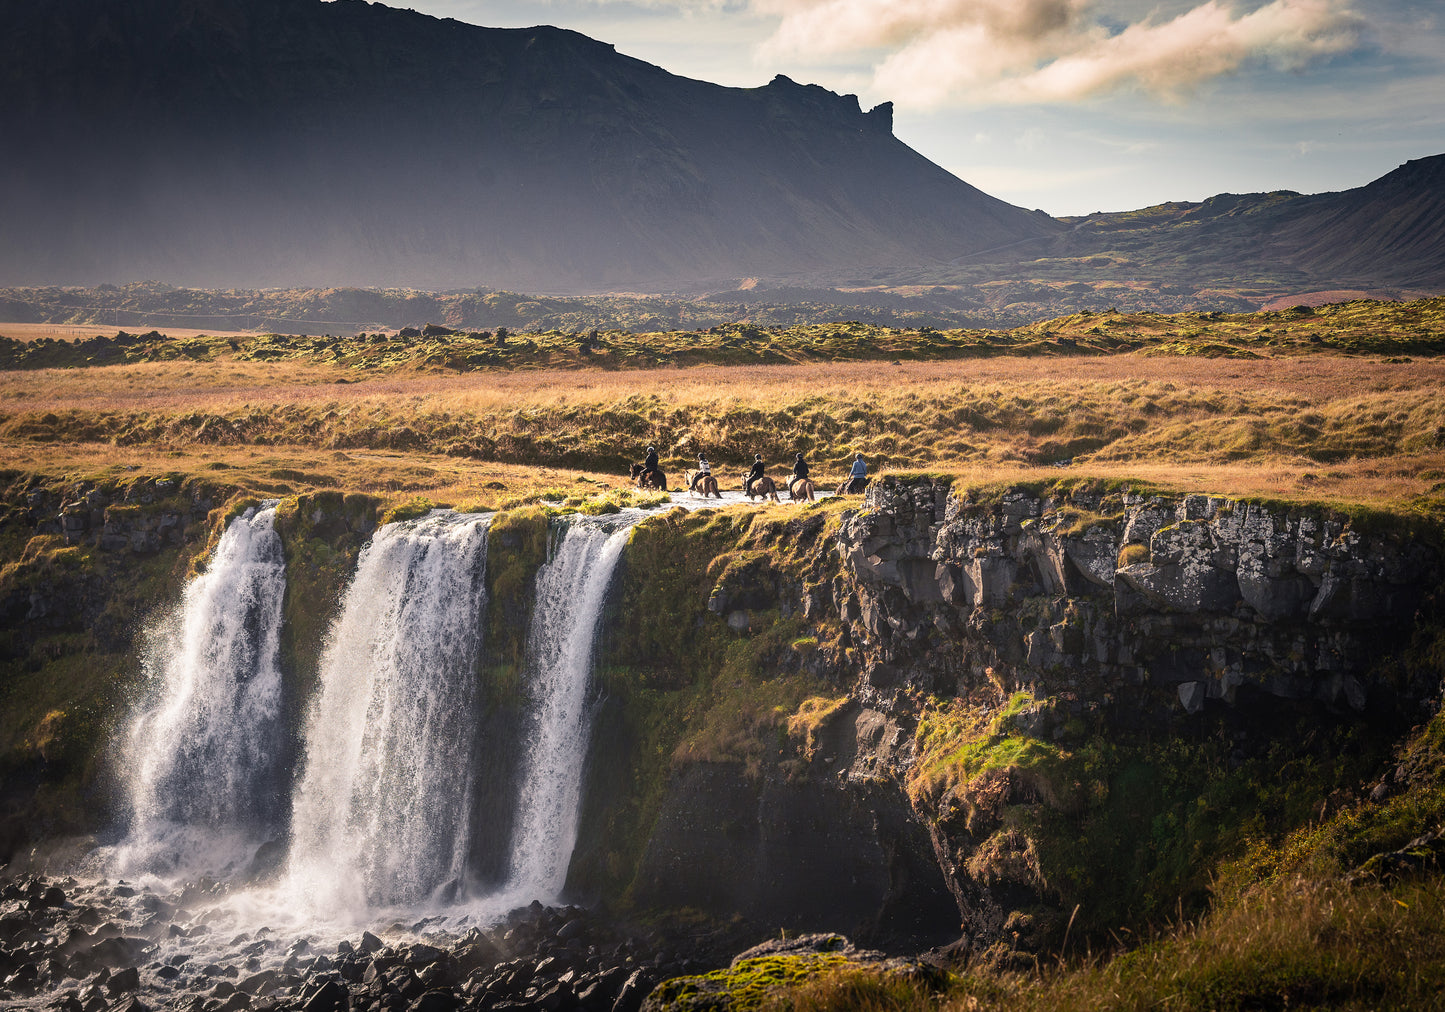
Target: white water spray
571,589
381,814
204,761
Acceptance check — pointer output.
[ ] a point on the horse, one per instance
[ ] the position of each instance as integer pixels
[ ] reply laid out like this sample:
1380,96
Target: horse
645,479
705,483
852,486
763,488
800,488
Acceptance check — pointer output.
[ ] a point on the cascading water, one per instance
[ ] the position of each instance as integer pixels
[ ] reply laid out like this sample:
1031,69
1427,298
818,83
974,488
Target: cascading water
205,761
571,589
397,736
380,816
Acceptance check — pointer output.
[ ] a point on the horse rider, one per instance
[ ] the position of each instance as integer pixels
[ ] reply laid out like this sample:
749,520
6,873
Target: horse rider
649,463
800,467
754,474
858,476
704,469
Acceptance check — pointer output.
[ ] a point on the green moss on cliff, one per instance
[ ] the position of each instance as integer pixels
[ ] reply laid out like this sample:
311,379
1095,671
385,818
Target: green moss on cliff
322,536
700,664
517,546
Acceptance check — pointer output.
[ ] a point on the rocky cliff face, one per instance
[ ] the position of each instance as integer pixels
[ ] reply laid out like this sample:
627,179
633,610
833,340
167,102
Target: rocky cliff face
1139,616
931,712
1042,699
1196,598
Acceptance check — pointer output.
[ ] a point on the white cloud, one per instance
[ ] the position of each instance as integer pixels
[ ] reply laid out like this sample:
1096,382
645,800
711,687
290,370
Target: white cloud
927,53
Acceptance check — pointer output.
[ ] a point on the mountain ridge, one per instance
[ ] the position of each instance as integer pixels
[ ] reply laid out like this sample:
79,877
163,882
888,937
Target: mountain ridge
350,143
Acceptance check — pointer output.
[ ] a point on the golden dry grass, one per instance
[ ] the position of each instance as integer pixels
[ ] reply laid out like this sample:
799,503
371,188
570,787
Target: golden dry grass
1319,427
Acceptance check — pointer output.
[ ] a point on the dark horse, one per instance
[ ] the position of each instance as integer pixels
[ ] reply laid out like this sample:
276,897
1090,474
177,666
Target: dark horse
852,485
763,488
704,483
645,479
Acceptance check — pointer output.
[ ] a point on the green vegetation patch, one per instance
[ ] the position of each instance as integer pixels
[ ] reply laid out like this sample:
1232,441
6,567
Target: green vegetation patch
746,986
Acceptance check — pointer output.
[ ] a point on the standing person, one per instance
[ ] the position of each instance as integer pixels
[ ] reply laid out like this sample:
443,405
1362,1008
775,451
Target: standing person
754,474
858,476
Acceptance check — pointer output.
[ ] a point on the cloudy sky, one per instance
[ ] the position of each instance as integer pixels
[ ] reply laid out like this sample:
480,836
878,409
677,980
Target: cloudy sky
1073,105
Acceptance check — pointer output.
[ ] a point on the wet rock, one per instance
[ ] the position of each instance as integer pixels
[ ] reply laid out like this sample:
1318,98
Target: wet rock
632,993
124,980
131,1004
328,996
439,1000
117,950
261,983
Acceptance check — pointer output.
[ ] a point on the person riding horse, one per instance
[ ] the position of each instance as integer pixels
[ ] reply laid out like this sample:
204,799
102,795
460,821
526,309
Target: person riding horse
702,480
704,470
857,478
648,474
800,486
754,474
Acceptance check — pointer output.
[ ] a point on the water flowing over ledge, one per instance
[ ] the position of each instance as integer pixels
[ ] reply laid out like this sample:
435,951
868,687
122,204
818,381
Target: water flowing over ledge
203,763
379,817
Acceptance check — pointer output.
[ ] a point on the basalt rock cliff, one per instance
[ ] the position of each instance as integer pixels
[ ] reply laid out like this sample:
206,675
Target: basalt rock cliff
1030,686
926,715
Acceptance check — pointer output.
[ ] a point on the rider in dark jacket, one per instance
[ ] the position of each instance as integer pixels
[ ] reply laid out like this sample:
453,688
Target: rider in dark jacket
800,467
754,474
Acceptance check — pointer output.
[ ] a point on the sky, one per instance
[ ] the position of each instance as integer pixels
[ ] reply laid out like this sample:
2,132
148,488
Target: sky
1073,106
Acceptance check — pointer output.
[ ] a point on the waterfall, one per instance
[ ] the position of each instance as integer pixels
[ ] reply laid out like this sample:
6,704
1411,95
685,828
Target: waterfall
570,593
204,760
380,816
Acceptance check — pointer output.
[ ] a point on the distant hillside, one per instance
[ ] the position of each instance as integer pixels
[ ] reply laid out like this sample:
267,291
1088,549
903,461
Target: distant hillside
1385,239
296,142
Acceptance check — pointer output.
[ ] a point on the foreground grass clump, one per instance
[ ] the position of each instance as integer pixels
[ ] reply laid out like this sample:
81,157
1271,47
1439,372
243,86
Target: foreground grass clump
1298,944
749,985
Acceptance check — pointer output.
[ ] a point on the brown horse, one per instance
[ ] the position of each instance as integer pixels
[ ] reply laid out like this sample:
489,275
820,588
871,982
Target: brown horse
800,488
704,483
645,479
852,486
763,488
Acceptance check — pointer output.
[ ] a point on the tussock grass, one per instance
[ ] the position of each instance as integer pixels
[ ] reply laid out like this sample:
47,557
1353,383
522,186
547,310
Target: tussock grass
1298,944
1313,428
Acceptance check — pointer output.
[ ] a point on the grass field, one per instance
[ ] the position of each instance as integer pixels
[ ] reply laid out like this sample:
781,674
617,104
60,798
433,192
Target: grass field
1301,404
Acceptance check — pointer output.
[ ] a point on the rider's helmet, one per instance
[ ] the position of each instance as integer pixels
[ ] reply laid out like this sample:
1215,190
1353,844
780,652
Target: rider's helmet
757,456
798,455
651,449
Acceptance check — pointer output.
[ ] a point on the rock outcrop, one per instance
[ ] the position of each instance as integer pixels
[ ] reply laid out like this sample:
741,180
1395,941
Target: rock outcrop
1197,595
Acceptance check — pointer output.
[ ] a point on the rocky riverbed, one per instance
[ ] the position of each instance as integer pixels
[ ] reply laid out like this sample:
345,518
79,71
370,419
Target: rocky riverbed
87,946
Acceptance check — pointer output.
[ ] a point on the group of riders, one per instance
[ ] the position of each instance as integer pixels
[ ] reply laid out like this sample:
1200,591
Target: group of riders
756,483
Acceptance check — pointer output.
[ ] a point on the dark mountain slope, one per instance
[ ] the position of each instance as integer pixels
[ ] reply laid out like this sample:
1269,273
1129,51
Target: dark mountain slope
1388,232
1392,230
269,142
